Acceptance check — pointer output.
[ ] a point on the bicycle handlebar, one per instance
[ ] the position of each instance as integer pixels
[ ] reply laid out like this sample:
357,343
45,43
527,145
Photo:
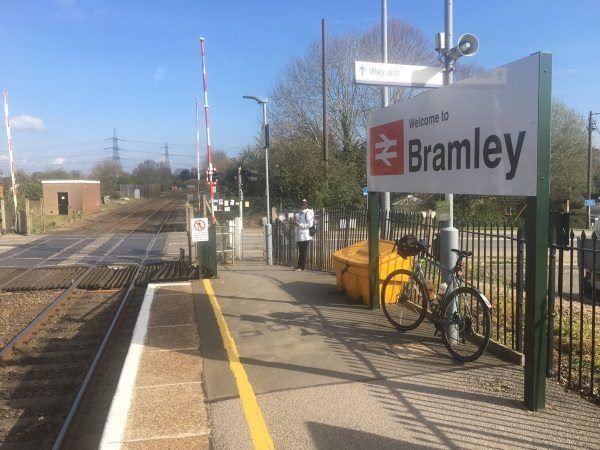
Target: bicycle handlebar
457,266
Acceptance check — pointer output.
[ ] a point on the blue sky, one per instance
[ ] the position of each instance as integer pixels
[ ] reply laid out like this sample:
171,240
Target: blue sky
84,67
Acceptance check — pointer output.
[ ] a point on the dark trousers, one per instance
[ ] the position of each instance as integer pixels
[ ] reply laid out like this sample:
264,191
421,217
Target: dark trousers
302,250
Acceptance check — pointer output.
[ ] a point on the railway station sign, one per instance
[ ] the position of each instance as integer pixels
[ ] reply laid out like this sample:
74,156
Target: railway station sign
477,136
199,229
398,74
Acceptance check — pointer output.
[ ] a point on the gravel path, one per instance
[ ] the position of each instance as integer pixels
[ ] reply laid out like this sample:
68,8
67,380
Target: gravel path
17,309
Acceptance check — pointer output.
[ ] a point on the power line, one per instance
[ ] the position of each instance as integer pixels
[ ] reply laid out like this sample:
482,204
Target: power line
157,153
156,143
68,144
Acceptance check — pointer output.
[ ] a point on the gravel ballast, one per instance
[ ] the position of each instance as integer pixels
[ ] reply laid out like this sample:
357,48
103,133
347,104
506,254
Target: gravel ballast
17,309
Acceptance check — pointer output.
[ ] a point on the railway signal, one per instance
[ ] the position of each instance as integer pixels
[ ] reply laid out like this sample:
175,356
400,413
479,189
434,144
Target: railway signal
250,176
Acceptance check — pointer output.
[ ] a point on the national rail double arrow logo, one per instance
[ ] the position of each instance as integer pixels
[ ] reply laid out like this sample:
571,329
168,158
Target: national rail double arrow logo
387,149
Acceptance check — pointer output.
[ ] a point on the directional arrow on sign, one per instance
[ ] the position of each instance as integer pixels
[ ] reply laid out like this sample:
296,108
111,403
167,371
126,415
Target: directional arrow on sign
386,144
362,70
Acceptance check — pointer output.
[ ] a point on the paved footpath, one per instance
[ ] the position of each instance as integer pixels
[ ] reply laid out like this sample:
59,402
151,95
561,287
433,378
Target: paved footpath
316,370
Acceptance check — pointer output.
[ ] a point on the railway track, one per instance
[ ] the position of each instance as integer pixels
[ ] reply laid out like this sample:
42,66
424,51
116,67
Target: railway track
136,219
46,368
111,276
125,218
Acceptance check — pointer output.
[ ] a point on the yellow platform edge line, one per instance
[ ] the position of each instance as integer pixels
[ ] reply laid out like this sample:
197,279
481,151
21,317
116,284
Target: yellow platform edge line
256,423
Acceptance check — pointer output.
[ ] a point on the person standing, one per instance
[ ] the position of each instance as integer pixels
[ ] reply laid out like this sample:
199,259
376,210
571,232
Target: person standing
304,221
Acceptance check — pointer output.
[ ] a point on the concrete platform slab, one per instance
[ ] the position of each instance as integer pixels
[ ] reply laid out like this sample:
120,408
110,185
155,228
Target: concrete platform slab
169,410
173,337
173,316
169,367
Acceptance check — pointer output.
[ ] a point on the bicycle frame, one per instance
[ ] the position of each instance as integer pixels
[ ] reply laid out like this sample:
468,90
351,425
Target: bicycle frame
418,269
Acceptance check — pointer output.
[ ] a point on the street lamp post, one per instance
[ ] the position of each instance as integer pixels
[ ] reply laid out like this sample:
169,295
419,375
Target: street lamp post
268,243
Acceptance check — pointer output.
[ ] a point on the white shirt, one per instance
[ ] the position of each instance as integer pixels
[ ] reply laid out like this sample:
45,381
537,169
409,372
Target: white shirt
304,220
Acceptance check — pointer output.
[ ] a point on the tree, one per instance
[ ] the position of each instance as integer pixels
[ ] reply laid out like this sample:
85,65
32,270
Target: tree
53,174
183,174
568,153
151,172
296,166
297,98
110,174
296,171
226,173
296,111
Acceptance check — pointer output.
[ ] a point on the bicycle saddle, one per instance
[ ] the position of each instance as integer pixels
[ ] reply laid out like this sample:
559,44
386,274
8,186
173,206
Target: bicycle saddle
461,253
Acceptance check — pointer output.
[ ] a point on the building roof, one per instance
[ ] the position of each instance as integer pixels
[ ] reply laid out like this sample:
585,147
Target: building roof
70,182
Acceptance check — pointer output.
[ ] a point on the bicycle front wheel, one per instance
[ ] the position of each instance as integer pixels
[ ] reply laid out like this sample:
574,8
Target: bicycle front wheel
466,324
407,301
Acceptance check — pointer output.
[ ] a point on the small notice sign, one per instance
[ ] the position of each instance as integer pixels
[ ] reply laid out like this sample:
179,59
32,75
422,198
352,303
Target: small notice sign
589,202
199,229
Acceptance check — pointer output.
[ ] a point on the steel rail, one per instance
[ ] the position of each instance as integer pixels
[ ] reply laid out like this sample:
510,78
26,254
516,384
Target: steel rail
90,373
7,351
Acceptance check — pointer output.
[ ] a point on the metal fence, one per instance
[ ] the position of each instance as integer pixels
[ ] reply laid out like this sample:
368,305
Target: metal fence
573,322
225,243
497,268
143,190
335,229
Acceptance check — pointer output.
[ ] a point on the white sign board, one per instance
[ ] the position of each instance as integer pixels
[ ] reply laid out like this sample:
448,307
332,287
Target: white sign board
477,136
398,74
199,229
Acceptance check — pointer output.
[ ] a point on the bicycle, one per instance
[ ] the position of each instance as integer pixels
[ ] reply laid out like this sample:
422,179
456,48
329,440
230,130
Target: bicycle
463,314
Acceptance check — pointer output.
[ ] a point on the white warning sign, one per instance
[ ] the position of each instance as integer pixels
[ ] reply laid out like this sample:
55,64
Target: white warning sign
199,229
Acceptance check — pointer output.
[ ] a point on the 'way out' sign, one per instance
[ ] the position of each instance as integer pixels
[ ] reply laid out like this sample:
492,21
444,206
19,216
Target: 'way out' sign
398,74
477,136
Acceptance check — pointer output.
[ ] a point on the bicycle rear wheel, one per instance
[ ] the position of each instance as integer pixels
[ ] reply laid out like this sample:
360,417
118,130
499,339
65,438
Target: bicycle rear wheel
408,300
466,324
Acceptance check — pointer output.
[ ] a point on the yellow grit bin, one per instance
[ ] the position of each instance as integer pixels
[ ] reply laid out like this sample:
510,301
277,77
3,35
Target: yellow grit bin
352,269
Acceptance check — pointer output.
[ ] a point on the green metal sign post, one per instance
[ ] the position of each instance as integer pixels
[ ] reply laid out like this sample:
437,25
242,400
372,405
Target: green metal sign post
536,237
374,217
207,255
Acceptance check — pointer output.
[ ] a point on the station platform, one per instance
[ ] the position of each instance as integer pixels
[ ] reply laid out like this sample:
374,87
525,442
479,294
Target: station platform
286,362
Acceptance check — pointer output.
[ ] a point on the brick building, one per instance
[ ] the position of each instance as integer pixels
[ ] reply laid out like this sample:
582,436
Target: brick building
63,197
